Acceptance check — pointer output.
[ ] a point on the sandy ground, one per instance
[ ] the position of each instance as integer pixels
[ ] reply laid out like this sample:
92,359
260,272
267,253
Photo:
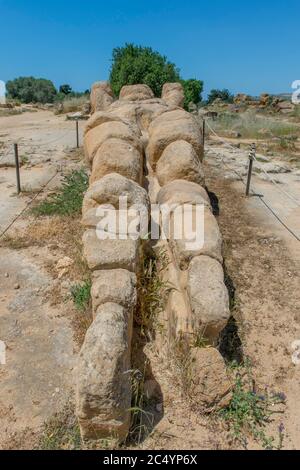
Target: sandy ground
261,257
43,140
37,379
263,261
283,197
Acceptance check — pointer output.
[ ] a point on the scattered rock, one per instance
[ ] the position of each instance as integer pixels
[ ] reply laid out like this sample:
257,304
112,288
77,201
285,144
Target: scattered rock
209,387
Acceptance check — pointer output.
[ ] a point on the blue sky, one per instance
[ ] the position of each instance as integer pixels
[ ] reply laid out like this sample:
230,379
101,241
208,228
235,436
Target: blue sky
248,46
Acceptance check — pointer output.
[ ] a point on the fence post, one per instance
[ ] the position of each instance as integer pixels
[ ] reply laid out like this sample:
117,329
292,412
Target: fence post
251,160
17,167
77,133
203,132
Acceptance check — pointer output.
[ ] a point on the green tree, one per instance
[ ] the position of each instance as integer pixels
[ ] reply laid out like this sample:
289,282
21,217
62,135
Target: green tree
136,64
224,95
65,89
31,90
192,91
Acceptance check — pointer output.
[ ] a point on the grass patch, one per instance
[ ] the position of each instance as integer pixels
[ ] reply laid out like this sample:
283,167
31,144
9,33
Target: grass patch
250,411
142,421
252,126
81,295
152,291
68,200
61,432
72,105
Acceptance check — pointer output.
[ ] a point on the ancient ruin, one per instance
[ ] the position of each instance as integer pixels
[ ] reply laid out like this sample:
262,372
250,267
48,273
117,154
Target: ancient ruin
149,150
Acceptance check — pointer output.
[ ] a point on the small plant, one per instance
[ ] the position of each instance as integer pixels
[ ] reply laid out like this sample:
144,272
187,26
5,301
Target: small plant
81,294
141,420
200,341
68,200
24,159
61,432
249,411
152,291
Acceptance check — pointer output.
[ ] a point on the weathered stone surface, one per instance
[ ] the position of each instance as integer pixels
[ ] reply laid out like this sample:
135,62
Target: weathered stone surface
109,130
172,126
110,188
110,254
117,156
209,385
179,318
140,113
179,161
136,93
118,223
103,393
173,94
101,96
208,297
212,241
98,118
183,192
117,286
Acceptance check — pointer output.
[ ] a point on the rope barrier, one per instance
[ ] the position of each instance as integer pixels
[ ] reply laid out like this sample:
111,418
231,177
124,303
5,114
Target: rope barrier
292,198
49,142
261,197
29,204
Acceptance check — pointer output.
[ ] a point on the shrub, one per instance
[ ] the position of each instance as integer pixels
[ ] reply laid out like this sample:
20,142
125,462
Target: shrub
65,89
136,64
81,294
31,90
224,95
68,200
71,105
192,91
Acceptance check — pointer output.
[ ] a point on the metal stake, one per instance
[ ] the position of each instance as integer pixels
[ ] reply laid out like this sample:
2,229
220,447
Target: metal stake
251,160
17,167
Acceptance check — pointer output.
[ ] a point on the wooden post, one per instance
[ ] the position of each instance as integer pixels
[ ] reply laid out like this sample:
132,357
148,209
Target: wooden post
17,167
77,133
251,160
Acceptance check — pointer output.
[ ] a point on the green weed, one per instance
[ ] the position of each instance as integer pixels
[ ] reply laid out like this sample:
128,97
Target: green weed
61,432
68,200
152,290
250,411
81,295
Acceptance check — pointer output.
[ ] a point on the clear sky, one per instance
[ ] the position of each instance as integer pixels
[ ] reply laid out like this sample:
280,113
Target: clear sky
249,46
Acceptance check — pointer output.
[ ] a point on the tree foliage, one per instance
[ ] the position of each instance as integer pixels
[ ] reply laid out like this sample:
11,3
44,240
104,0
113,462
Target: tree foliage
132,65
224,95
192,91
65,89
136,64
31,90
